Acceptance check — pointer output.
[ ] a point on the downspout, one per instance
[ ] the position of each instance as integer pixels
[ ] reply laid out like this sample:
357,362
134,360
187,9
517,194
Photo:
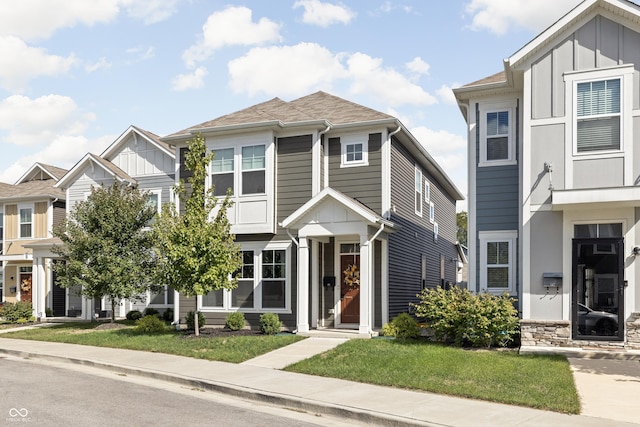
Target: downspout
386,175
377,234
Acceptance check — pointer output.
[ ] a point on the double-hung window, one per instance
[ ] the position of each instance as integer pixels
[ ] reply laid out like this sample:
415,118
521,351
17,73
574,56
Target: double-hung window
497,136
26,222
253,169
497,261
242,296
497,133
274,278
153,201
598,115
222,171
418,191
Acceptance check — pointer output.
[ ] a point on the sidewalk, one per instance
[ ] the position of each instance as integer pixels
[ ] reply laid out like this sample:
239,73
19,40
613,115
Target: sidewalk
260,379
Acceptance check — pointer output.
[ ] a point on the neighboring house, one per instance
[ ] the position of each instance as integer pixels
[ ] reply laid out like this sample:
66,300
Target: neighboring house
342,215
30,209
554,201
136,157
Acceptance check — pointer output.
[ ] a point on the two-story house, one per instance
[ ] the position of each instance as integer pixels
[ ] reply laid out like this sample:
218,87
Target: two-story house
137,157
341,214
30,209
554,202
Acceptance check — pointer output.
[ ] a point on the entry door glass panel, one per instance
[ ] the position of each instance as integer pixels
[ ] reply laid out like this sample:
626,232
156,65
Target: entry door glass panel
598,289
350,283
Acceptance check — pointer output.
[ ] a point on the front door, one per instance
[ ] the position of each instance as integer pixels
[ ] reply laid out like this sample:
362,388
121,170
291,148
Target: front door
598,289
26,285
350,283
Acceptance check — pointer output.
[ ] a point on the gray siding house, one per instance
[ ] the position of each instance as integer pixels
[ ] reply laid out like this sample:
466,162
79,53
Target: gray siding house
342,215
554,203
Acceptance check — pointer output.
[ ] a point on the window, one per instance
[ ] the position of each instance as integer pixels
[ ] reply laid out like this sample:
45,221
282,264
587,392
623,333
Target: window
497,135
253,169
418,187
1,239
427,191
354,153
242,296
26,222
497,261
153,200
263,283
598,115
432,212
162,297
435,232
595,231
273,278
222,171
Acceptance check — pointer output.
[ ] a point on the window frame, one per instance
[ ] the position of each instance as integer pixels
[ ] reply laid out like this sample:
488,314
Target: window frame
21,207
258,282
417,195
577,119
497,107
427,190
232,172
432,212
509,237
436,231
344,151
158,193
242,170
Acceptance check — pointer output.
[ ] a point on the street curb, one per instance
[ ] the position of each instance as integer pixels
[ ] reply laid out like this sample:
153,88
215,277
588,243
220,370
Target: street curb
288,401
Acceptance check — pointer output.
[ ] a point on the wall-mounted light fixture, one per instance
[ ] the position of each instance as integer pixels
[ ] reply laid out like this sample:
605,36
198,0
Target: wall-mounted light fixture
635,251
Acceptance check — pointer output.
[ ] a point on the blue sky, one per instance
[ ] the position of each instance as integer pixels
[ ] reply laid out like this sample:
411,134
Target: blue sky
75,74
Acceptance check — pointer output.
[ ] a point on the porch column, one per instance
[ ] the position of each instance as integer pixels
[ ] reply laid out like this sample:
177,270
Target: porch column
40,275
315,282
366,284
35,288
303,286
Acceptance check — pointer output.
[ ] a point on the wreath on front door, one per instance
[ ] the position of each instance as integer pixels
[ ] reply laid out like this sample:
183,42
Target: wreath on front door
25,286
352,276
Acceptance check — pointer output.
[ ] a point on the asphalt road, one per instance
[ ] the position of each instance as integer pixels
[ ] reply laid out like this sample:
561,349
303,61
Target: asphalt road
37,392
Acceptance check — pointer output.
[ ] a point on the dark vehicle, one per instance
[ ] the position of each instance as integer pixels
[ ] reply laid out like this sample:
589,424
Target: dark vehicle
591,322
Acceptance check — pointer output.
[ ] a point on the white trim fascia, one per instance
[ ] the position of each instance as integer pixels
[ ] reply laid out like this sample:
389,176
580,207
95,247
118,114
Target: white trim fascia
111,149
49,217
471,209
36,165
78,167
524,243
386,175
316,164
615,197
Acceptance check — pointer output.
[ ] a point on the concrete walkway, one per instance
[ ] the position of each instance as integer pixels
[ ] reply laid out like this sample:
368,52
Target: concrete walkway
260,379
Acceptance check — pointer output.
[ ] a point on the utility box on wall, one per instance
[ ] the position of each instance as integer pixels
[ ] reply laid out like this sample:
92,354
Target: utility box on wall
552,280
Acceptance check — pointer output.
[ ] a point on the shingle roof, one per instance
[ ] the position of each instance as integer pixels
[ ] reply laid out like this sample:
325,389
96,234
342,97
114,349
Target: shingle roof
155,138
28,189
54,170
494,78
317,106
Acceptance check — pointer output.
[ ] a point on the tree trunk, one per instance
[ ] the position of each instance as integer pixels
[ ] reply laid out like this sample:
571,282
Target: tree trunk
196,320
113,309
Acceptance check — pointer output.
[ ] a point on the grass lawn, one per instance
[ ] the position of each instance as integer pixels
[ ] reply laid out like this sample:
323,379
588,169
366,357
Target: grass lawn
234,349
542,382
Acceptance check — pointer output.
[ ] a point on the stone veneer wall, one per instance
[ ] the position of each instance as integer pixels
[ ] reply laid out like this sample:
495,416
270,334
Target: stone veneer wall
557,333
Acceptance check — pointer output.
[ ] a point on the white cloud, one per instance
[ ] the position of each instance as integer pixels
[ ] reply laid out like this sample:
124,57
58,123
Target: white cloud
26,121
61,151
418,66
151,11
368,76
229,27
445,93
32,62
140,53
193,80
324,14
101,63
500,16
285,71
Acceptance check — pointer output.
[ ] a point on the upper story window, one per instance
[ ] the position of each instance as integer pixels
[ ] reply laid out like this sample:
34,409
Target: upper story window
432,212
26,222
253,169
497,141
222,171
354,153
418,188
153,201
427,191
598,116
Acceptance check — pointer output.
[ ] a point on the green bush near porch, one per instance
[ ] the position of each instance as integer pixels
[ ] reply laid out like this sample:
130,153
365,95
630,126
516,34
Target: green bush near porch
21,311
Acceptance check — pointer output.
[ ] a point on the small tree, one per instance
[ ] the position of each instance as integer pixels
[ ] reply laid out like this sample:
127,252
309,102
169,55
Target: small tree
106,251
196,251
461,222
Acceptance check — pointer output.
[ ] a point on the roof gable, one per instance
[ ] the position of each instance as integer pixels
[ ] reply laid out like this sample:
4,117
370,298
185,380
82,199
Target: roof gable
91,160
41,172
136,132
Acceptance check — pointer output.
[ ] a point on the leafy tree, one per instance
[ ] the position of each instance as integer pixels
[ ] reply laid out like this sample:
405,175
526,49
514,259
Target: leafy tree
196,251
461,221
106,250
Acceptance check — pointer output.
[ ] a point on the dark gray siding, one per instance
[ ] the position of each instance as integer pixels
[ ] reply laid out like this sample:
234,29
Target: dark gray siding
363,183
415,237
377,291
497,198
293,180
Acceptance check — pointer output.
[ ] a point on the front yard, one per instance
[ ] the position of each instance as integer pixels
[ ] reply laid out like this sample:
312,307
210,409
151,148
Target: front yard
542,382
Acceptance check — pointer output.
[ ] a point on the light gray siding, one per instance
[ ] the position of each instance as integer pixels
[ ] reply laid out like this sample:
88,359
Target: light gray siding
547,145
598,173
414,237
363,182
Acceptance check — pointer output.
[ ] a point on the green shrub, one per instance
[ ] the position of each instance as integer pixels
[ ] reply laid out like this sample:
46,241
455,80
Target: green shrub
406,326
457,315
150,312
190,320
270,323
167,316
48,312
13,312
235,321
150,325
22,320
133,315
389,330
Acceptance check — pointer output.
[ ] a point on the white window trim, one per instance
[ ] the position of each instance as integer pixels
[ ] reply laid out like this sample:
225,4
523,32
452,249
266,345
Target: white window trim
33,221
417,189
436,231
241,171
257,249
236,157
509,107
427,191
345,142
432,212
498,236
165,304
